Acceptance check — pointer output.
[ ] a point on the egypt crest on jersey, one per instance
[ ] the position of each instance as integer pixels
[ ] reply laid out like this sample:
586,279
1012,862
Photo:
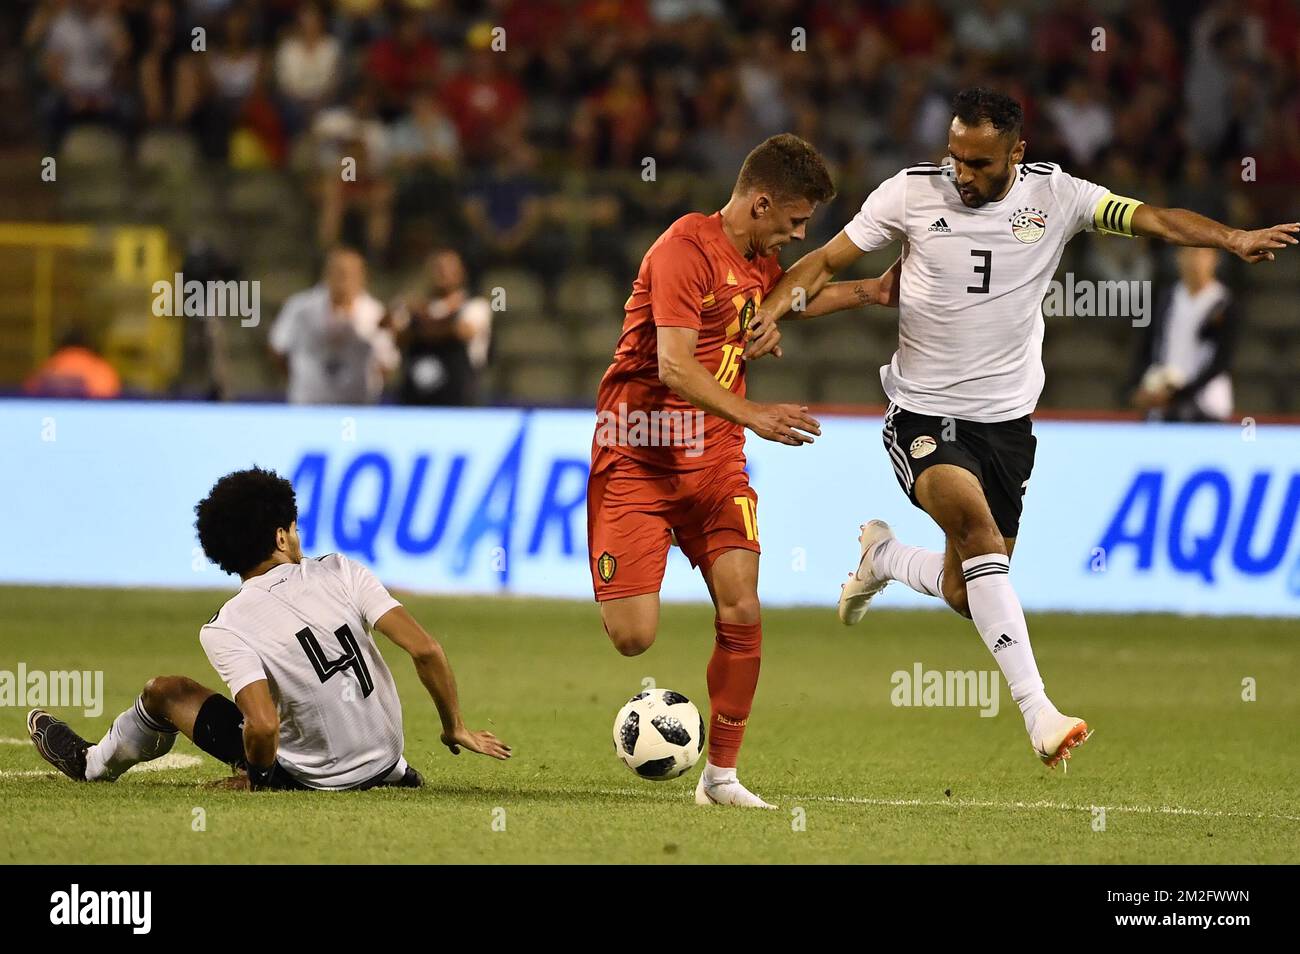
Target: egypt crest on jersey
973,281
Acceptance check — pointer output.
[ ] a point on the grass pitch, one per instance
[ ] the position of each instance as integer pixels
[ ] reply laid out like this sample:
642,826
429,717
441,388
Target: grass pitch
1185,769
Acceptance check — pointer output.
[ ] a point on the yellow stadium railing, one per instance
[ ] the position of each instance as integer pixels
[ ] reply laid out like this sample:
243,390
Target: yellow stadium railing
113,296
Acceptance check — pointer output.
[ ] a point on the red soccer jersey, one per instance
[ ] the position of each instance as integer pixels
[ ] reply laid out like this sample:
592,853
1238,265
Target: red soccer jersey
692,277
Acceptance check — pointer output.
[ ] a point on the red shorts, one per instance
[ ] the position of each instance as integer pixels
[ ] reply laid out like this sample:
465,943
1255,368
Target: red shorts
635,510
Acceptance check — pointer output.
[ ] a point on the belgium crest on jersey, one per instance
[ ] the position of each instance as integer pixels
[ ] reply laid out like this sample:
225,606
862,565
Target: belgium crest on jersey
746,314
605,566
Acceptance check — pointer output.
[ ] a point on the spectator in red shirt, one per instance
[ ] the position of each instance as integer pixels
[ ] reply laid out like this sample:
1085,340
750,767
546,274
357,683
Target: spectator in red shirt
482,98
918,28
400,63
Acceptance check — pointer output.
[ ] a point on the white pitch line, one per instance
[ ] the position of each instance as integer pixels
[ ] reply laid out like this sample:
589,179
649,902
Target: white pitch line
175,761
168,762
1049,806
15,741
1006,806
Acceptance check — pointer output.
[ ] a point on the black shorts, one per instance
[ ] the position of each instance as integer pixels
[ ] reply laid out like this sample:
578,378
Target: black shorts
1000,455
219,731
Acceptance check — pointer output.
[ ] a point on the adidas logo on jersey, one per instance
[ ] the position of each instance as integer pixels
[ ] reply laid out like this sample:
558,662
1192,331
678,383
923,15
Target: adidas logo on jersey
940,225
1003,642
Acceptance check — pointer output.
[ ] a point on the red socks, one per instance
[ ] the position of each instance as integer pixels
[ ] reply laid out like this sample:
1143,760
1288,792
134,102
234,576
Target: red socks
732,679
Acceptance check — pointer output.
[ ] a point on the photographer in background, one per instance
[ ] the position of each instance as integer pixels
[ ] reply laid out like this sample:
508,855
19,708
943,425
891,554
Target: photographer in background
1188,350
75,370
443,334
330,339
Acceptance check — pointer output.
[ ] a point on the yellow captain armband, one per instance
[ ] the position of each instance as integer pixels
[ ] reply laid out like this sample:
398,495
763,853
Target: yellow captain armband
1114,215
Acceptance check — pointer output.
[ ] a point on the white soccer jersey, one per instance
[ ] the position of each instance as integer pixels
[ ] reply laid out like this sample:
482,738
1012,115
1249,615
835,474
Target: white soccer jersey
970,322
305,628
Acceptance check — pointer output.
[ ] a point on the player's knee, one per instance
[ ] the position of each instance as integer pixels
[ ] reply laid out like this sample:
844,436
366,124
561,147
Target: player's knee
157,690
630,639
740,609
631,642
976,536
161,690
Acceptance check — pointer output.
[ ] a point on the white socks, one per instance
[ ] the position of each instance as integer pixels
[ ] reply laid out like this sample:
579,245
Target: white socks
135,736
713,775
919,568
995,608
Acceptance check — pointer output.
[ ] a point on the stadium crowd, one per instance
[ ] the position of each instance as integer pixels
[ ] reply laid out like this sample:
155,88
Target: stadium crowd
540,134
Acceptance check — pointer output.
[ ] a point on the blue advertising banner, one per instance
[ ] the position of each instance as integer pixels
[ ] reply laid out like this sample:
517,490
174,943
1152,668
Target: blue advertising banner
1118,517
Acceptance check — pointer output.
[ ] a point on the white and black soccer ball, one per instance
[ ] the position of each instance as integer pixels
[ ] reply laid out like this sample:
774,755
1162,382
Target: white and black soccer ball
659,734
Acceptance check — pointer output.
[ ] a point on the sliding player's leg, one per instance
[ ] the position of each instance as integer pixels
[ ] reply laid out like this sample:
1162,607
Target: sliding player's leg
956,500
144,732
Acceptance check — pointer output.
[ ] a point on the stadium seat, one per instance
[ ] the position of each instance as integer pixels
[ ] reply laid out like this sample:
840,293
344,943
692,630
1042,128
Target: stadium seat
523,295
1283,273
638,243
847,386
1257,356
586,291
1255,395
1074,390
1086,346
597,335
97,198
515,337
1291,365
167,155
778,381
542,381
1271,310
879,320
842,338
93,147
589,380
258,196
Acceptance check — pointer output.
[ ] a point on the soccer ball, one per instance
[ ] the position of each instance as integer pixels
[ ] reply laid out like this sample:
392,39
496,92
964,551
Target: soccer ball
659,734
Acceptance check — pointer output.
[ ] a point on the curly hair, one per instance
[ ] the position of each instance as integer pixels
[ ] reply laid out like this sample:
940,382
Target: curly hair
787,167
978,105
237,520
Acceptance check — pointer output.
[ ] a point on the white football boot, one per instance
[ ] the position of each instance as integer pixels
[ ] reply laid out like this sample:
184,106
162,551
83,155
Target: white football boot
863,584
1053,735
727,792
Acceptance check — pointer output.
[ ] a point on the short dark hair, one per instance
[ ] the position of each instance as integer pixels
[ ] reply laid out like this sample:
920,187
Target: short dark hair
979,105
787,167
238,518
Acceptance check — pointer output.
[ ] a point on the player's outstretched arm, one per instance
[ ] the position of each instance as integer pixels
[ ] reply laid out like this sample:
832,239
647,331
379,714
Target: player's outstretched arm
1184,227
682,372
261,731
435,672
838,296
798,288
